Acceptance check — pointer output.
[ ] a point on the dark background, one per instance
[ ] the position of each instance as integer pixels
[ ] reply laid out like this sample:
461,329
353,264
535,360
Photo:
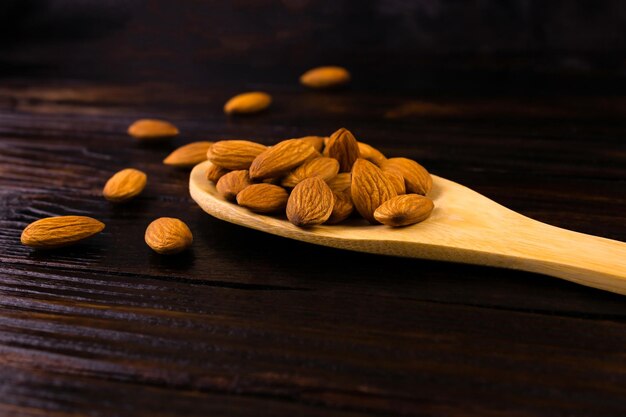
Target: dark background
440,45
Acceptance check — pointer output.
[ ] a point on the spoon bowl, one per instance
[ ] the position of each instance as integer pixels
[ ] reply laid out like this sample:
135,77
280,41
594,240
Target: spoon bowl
465,227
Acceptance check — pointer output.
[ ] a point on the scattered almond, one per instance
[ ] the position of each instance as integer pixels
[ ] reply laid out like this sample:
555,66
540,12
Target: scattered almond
404,210
56,232
263,198
325,77
214,172
371,154
280,159
229,185
397,180
417,179
234,154
370,188
341,182
124,185
152,129
344,148
246,103
188,155
310,203
327,168
168,236
342,209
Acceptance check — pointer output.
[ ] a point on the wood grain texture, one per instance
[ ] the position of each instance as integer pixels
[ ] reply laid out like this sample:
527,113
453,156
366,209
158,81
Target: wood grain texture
252,324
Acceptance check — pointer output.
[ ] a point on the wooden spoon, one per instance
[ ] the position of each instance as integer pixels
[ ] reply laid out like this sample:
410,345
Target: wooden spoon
465,226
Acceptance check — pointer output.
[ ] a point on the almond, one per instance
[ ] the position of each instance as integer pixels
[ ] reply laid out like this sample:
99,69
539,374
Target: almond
152,129
371,154
214,172
327,168
416,178
280,159
310,203
263,198
56,232
232,183
370,188
325,77
341,182
168,236
246,103
317,142
344,148
397,180
234,154
124,185
404,210
188,155
342,209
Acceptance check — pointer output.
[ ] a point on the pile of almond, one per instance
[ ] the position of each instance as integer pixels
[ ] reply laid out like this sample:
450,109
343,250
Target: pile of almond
316,180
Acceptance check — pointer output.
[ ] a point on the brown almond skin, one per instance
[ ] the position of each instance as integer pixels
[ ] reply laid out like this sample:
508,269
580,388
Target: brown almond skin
60,231
327,168
342,209
310,203
168,236
280,159
370,188
263,198
246,103
341,182
147,129
188,155
124,185
325,77
404,210
344,148
416,177
317,142
229,185
397,180
234,154
214,172
371,154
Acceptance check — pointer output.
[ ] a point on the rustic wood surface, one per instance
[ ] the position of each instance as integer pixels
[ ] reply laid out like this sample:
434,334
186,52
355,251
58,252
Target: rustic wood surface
252,324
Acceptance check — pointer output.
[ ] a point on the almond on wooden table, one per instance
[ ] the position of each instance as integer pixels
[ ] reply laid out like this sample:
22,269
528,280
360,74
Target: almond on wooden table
124,185
310,203
342,208
188,155
371,154
404,210
416,177
341,182
230,184
370,188
280,159
344,148
214,172
152,129
168,236
234,154
325,77
263,198
247,103
397,180
327,168
56,232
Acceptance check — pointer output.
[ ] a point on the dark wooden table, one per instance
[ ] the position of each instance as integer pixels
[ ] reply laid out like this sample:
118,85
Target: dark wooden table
252,324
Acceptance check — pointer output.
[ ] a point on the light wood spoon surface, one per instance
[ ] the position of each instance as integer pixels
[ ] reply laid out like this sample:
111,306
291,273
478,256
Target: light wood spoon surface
465,226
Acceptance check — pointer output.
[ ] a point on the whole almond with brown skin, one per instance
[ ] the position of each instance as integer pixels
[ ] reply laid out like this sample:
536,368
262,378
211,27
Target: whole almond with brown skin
342,209
370,188
152,129
404,210
317,142
371,154
397,180
234,154
214,172
325,77
232,183
344,148
341,182
188,155
56,232
280,159
168,236
124,185
246,103
310,203
416,177
263,198
327,168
